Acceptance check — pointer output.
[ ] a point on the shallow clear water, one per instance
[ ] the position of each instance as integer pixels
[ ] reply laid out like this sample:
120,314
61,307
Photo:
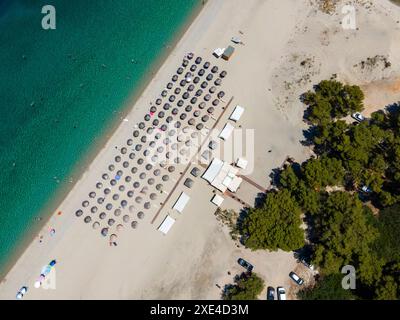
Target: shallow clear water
60,89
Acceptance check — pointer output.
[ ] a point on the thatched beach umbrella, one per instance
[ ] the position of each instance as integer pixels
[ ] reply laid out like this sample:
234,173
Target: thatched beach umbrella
172,98
215,102
138,199
79,213
180,70
180,103
201,72
170,85
142,125
85,203
198,60
107,191
164,93
183,116
136,133
87,219
147,205
134,170
204,84
169,119
121,188
124,203
128,179
134,224
156,122
142,175
113,238
140,215
105,176
115,196
131,209
223,74
120,227
210,77
93,209
193,68
177,91
159,187
165,178
129,142
113,182
99,185
205,118
158,101
153,196
153,109
190,88
102,215
125,164
193,100
117,159
200,126
126,218
146,152
95,225
206,65
177,124
104,232
218,82
100,200
136,185
140,161
147,117
110,222
109,206
130,193
182,83
185,63
207,97
92,194
117,212
210,110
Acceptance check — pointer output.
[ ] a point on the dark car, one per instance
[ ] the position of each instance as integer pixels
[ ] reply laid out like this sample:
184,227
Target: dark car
270,293
245,264
296,278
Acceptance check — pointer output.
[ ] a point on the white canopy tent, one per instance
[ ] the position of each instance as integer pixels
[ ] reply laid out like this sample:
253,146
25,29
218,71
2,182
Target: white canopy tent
181,203
242,163
226,131
166,224
217,200
213,169
237,113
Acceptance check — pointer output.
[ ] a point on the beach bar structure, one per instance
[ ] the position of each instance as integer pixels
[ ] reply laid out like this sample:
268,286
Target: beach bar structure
237,113
228,53
226,131
222,176
181,203
166,224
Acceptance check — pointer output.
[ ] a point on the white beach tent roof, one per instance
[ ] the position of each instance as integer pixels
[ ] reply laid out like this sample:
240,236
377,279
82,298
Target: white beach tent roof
242,163
237,113
217,200
226,131
218,52
166,224
181,203
235,184
213,169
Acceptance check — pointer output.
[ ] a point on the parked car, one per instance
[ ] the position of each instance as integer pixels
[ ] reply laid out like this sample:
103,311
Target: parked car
245,264
358,116
195,172
188,183
270,293
21,292
296,278
281,293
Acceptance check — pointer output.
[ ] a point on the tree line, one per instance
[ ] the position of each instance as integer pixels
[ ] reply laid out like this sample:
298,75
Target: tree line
348,193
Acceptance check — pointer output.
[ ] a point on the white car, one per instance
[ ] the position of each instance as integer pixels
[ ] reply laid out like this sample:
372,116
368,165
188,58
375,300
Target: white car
296,278
281,293
358,116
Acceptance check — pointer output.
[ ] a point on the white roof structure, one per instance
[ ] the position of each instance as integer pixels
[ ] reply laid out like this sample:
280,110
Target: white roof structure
217,200
226,131
181,203
213,169
218,52
235,184
222,175
237,113
242,163
166,224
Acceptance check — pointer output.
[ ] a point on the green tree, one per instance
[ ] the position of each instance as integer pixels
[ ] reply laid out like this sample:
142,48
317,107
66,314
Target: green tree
329,288
322,172
343,231
246,288
276,225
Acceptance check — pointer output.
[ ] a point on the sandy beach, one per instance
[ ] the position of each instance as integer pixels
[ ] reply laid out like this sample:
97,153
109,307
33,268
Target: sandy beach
288,46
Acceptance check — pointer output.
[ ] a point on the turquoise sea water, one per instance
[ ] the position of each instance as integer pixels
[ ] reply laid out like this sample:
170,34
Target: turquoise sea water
59,90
